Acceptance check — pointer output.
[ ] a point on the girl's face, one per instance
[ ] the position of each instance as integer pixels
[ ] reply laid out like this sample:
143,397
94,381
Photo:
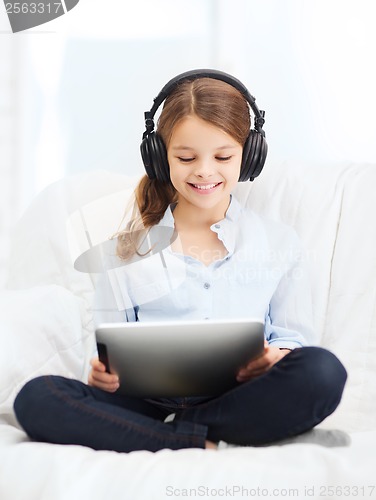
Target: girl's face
204,165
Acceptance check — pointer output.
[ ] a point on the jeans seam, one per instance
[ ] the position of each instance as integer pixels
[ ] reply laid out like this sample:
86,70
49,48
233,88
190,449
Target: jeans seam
112,418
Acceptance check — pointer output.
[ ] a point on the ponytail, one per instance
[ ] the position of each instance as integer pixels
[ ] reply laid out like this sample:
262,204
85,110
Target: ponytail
152,198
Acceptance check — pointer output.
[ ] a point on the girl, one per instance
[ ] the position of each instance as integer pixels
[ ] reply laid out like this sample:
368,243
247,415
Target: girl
235,264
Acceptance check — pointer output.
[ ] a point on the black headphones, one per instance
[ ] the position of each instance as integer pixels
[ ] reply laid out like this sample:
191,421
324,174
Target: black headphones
153,149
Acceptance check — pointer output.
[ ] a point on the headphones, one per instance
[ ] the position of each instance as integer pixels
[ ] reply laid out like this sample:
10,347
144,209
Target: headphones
153,149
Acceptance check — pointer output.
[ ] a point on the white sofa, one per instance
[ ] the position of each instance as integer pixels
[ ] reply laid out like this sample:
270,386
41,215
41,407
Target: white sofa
46,327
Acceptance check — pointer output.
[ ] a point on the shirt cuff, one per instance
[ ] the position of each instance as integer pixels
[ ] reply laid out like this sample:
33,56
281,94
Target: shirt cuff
285,345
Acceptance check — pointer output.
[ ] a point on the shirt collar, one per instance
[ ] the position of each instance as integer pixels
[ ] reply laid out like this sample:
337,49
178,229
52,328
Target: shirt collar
168,218
226,228
233,213
234,210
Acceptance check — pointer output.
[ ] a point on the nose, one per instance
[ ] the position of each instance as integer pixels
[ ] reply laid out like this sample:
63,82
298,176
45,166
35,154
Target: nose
204,168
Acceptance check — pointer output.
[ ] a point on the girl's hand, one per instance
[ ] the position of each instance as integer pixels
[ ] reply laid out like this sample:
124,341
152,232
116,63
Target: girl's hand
261,364
98,377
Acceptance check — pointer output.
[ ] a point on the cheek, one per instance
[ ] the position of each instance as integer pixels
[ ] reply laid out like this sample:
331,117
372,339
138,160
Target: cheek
176,175
233,177
172,165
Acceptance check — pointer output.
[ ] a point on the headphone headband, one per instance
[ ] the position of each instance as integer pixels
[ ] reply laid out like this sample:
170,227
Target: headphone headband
204,73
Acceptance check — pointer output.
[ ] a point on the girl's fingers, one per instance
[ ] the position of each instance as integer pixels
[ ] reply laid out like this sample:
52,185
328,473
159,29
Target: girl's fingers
246,375
97,365
257,364
104,377
105,387
106,383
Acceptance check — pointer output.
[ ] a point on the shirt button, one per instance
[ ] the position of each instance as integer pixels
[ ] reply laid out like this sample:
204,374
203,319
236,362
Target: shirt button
206,285
217,226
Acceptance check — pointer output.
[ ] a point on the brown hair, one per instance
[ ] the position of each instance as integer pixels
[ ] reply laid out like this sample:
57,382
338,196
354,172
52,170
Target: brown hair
215,102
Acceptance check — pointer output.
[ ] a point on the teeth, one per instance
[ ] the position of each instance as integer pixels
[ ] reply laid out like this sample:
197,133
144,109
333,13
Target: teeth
206,186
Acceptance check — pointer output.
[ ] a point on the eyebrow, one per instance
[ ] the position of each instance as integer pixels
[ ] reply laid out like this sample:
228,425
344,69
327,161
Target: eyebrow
180,148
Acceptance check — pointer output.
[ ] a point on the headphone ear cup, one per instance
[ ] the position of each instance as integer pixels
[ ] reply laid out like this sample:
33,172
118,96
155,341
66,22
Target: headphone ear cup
154,156
162,169
254,156
147,158
263,151
248,153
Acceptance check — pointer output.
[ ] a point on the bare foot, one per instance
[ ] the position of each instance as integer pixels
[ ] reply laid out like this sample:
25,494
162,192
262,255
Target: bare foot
209,445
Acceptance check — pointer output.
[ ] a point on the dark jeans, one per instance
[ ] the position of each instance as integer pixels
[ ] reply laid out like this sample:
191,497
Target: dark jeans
295,395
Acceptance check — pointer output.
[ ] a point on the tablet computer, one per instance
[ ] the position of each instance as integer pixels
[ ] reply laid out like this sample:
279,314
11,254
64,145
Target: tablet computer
173,359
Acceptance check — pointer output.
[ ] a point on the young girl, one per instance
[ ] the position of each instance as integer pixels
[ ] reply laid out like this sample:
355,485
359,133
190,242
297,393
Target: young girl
235,264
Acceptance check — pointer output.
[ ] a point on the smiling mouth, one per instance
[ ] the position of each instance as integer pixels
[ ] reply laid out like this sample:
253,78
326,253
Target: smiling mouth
205,187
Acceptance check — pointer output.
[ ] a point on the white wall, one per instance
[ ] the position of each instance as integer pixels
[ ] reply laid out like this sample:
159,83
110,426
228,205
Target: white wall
73,91
311,65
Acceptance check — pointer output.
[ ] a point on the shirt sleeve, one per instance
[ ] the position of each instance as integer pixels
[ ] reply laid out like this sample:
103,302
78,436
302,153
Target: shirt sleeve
289,320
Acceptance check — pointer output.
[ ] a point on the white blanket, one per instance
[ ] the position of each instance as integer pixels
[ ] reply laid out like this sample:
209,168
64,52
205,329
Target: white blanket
32,471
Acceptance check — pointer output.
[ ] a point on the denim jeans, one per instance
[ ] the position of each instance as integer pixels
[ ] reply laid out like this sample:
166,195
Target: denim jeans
296,394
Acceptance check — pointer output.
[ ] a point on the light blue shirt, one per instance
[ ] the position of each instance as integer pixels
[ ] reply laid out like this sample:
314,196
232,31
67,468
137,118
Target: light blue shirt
263,276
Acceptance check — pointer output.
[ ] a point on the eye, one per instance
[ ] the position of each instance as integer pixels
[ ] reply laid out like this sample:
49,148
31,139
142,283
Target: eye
223,158
185,160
